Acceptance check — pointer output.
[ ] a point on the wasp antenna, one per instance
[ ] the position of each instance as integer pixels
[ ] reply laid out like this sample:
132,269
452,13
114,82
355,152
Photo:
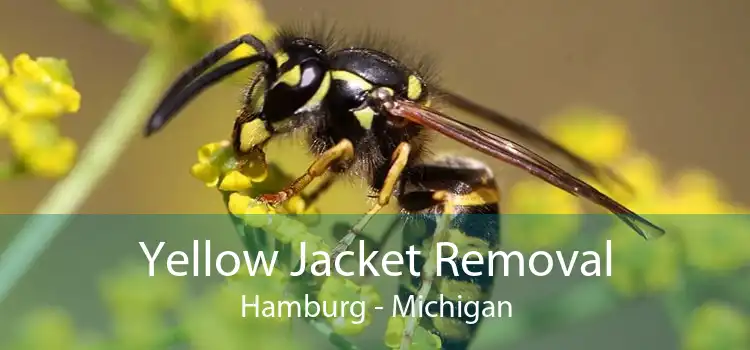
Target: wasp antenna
169,109
176,96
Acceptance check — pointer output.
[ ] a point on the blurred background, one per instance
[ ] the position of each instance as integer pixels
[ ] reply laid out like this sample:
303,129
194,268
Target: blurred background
675,71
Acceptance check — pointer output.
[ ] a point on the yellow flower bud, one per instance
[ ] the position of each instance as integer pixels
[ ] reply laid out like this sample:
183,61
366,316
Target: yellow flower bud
28,135
206,173
49,329
313,242
207,152
597,136
234,181
24,66
198,10
552,221
258,215
240,17
4,69
238,203
295,205
370,295
640,267
393,332
287,228
5,117
717,326
336,289
42,87
40,99
53,161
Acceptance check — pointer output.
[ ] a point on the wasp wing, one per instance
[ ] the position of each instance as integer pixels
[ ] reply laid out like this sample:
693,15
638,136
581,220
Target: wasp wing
519,156
526,132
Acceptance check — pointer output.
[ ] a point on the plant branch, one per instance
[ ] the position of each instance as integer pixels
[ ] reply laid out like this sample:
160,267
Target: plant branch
335,339
105,147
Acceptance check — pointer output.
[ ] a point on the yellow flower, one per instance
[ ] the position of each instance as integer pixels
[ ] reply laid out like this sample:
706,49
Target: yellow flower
717,326
640,266
235,181
41,88
37,91
43,151
287,229
230,18
597,136
5,117
337,289
130,292
714,238
216,320
216,161
422,339
542,216
53,161
697,192
4,69
49,329
198,10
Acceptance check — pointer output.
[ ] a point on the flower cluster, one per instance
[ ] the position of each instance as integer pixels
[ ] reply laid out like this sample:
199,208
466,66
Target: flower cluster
37,92
244,179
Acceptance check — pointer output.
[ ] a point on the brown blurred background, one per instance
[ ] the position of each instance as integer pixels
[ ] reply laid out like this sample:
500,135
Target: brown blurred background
676,70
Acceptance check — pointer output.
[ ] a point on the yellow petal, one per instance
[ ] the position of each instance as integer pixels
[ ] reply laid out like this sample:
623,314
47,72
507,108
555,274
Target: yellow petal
52,161
207,152
26,136
537,197
697,192
69,98
198,10
5,117
205,173
4,69
238,203
234,181
24,66
35,98
716,325
295,205
597,136
49,329
239,17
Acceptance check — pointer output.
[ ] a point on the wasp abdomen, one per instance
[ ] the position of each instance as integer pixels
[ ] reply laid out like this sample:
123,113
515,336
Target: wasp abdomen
465,189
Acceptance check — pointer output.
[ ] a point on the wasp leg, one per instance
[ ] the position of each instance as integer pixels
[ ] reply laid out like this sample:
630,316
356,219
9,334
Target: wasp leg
313,196
398,163
341,152
453,200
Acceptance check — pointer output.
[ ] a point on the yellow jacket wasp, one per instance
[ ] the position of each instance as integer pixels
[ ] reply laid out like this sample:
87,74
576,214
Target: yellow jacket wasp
366,113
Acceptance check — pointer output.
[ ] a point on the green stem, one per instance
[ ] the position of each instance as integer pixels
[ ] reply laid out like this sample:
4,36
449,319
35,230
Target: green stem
104,149
335,339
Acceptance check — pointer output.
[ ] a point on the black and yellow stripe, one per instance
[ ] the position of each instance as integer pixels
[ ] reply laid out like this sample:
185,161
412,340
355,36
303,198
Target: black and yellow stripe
470,193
